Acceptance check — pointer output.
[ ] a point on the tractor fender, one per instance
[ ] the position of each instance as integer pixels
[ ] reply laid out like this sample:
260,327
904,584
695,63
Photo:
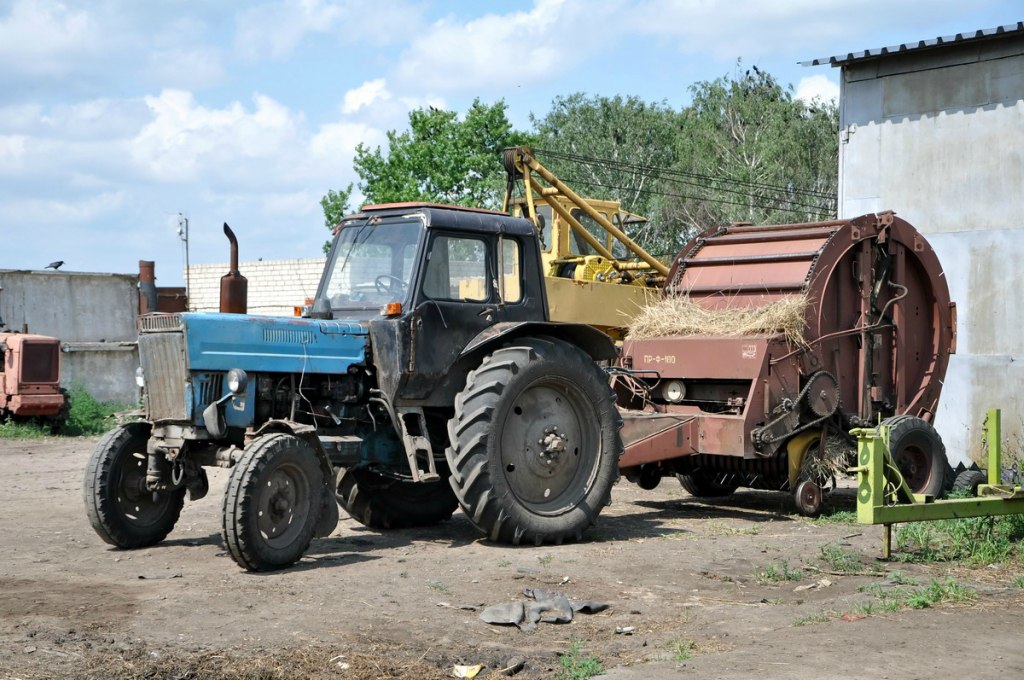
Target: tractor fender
599,346
304,432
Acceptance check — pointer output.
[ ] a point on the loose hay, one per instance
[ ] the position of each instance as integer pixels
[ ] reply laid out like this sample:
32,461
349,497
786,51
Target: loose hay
678,315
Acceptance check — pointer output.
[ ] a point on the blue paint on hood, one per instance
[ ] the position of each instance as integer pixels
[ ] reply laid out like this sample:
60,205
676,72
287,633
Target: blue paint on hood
220,342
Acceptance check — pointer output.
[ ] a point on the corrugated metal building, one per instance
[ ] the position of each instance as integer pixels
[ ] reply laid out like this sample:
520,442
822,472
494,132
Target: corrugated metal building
933,130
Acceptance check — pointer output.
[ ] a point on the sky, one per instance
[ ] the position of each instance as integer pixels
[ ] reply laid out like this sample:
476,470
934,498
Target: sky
119,119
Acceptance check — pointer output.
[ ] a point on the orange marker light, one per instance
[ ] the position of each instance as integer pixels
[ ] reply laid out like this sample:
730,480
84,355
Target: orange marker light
393,309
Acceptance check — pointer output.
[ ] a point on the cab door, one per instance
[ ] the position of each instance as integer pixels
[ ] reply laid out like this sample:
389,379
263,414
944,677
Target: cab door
465,287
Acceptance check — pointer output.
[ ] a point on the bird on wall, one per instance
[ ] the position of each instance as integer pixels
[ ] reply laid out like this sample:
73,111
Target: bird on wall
54,265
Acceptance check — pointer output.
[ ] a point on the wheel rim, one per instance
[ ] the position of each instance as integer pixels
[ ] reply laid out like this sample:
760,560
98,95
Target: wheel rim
134,501
549,456
914,464
808,497
283,505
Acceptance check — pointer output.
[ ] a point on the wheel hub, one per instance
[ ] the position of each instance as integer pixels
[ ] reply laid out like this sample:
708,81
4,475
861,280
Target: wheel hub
554,444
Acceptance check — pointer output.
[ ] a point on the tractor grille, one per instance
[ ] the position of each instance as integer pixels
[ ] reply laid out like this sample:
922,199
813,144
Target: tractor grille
155,323
210,387
40,362
163,363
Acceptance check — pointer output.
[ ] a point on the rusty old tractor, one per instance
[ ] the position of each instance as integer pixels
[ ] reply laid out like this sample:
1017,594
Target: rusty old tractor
30,378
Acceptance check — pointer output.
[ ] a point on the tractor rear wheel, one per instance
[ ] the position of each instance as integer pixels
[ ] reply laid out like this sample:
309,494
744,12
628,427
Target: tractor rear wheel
535,443
120,508
919,454
382,503
272,502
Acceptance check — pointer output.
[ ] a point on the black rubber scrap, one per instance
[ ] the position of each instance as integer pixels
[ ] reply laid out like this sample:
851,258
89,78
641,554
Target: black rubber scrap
543,606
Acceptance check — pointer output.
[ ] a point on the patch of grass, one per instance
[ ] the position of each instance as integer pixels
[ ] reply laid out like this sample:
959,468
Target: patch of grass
900,579
87,416
812,618
894,599
682,650
835,517
841,560
1018,582
779,571
439,586
545,560
505,563
976,540
10,429
575,665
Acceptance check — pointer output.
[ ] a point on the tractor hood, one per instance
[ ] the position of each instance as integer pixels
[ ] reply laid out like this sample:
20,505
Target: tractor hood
220,342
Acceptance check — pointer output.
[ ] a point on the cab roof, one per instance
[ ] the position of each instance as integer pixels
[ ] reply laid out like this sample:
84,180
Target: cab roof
457,217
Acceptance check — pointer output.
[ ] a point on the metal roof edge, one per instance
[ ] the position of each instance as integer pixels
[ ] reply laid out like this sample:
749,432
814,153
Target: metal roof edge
929,43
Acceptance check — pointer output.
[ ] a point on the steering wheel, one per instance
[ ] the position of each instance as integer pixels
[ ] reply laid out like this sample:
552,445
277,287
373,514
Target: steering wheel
386,284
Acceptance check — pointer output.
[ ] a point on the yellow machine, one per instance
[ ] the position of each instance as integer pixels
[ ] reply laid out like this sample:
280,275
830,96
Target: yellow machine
594,272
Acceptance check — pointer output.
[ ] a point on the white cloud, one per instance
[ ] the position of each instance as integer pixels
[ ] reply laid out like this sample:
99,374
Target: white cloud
274,29
490,50
46,38
186,141
364,95
817,87
64,211
339,140
12,150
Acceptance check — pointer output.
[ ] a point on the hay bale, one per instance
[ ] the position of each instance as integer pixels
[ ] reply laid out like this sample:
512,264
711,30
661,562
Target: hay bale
679,315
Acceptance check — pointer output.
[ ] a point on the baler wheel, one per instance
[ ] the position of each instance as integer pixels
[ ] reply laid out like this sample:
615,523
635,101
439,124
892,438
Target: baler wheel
120,508
535,443
382,503
272,502
808,498
919,454
703,485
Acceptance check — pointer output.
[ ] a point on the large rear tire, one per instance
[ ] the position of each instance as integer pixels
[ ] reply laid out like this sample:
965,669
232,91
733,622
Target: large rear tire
535,443
120,508
383,503
919,454
272,502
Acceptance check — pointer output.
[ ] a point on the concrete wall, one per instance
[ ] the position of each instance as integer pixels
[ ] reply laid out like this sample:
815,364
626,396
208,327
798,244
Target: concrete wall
93,315
275,286
936,137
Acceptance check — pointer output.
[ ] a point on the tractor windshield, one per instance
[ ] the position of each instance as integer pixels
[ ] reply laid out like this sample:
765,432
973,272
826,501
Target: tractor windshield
371,263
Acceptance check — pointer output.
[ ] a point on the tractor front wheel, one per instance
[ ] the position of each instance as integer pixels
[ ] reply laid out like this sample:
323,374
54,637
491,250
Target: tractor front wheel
272,502
120,508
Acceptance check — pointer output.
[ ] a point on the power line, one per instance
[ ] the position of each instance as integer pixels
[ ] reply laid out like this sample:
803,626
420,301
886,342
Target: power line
688,178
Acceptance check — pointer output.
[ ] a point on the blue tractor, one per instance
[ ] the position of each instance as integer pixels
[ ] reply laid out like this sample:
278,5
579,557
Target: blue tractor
426,376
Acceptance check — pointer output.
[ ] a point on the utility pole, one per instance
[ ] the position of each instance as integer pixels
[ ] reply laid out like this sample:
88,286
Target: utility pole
183,235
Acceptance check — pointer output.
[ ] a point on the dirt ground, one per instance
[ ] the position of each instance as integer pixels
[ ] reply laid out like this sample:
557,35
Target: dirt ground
683,573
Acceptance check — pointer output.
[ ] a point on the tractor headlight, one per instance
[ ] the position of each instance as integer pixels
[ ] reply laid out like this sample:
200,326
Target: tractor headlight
140,377
237,381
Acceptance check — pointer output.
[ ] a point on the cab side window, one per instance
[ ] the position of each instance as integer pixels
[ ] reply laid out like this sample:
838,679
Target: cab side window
511,271
457,269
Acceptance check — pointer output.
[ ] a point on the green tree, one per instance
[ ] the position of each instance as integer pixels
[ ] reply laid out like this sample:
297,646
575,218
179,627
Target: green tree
441,158
335,205
610,148
751,152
